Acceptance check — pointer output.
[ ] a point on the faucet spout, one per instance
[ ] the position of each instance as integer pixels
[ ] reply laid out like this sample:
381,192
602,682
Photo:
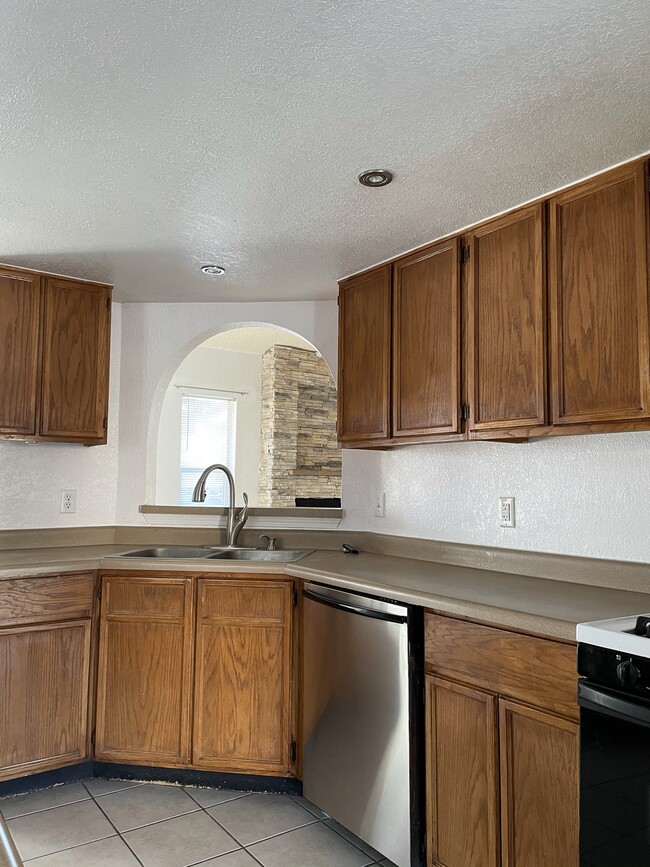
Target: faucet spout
234,525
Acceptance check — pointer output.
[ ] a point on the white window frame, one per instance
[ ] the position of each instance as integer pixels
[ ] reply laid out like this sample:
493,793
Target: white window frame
217,492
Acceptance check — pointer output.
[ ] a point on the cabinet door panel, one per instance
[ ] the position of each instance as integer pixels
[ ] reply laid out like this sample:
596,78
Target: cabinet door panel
20,312
75,360
462,776
242,710
364,357
598,283
145,676
44,709
539,787
426,365
506,370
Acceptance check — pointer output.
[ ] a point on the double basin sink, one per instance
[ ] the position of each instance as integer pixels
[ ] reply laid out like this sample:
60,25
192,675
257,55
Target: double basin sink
178,552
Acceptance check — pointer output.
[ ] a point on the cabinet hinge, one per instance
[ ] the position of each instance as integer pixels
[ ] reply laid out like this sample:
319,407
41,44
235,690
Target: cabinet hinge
92,739
105,423
464,411
294,596
293,751
464,254
99,592
108,303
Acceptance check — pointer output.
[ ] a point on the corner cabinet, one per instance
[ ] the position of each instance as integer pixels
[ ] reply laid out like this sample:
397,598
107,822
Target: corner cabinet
54,358
197,672
45,666
502,747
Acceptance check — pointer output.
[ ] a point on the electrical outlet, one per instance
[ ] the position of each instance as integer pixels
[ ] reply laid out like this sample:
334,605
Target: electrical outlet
507,511
380,506
68,502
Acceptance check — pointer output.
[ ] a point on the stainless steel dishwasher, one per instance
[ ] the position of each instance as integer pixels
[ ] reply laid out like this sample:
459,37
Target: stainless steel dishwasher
363,717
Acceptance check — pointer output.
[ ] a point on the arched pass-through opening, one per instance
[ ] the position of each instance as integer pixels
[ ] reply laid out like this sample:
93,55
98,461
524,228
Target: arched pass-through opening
260,399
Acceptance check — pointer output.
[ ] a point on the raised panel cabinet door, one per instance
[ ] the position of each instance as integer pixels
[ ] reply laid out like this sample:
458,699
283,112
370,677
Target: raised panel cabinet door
45,686
539,787
506,311
243,702
462,776
426,329
364,357
144,688
76,336
598,289
20,318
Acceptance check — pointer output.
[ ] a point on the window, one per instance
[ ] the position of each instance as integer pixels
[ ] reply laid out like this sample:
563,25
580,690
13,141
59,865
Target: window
207,437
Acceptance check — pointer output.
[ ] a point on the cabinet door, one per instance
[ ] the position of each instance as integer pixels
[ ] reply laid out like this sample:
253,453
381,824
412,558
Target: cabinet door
20,317
75,361
506,363
426,364
598,284
242,705
462,776
145,670
364,357
44,672
539,787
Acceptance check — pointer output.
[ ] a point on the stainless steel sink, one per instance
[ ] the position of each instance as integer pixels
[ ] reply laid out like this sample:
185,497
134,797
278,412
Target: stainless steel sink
264,556
173,552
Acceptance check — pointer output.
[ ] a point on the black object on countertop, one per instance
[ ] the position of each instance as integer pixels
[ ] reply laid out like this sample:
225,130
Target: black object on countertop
349,549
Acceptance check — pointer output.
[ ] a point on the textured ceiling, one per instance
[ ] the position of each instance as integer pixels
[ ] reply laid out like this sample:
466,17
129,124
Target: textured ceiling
255,340
143,138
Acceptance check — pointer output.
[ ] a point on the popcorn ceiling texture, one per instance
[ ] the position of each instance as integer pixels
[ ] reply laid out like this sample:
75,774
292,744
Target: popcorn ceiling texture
143,138
299,452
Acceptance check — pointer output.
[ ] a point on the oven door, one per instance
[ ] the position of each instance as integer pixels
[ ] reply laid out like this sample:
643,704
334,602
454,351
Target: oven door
614,778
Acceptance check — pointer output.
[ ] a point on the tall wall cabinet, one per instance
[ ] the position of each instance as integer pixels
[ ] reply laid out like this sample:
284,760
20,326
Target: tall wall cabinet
532,324
54,357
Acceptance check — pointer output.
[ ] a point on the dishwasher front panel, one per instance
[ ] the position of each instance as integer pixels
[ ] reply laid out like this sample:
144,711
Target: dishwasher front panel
356,716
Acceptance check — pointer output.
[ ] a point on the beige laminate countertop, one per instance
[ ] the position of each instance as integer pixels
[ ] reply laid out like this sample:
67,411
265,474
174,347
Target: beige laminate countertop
539,605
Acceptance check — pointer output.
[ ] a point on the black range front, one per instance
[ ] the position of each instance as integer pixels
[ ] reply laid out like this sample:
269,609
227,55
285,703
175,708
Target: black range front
614,699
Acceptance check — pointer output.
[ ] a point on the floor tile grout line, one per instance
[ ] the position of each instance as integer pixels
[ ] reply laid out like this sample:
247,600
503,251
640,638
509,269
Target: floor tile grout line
67,848
314,821
44,809
119,833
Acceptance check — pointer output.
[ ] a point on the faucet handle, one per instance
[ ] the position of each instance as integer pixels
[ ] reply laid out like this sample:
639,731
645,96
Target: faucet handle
270,542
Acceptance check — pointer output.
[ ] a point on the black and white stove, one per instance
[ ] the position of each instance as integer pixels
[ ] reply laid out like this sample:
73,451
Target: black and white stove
614,699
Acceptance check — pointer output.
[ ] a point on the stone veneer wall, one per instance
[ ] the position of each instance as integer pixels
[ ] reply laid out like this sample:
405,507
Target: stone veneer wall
299,454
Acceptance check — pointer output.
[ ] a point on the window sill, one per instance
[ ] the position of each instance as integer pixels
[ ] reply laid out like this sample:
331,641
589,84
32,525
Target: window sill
296,518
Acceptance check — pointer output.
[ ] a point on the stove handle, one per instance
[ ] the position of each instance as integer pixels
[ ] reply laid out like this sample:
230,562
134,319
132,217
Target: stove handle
612,704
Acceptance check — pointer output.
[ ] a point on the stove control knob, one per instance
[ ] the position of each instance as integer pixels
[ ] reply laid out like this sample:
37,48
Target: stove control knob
627,673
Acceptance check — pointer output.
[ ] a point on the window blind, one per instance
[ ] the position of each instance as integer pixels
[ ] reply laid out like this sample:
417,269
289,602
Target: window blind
207,437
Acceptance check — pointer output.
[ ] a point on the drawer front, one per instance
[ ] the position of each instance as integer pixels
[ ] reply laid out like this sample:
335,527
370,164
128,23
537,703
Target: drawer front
41,600
241,599
154,598
537,671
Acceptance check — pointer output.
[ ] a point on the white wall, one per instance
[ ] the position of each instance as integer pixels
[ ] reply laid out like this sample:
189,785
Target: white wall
213,369
156,338
32,475
583,495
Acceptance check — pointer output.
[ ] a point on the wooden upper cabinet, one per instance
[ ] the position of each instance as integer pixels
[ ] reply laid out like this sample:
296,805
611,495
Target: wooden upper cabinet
20,318
598,288
539,788
462,776
506,335
144,681
75,360
364,356
242,699
426,342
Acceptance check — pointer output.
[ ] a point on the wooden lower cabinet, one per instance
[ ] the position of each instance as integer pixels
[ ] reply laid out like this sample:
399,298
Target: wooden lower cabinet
462,776
197,672
144,688
540,787
242,698
44,671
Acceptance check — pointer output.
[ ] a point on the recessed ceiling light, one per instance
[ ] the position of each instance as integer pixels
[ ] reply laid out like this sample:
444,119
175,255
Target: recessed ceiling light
375,178
213,270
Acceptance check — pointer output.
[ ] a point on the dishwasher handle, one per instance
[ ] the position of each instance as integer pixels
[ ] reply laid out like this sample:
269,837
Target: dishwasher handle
354,609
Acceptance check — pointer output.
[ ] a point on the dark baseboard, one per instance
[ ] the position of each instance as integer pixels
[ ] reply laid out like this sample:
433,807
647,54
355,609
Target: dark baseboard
181,776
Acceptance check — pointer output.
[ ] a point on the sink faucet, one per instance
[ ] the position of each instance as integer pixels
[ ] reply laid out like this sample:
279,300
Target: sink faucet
235,523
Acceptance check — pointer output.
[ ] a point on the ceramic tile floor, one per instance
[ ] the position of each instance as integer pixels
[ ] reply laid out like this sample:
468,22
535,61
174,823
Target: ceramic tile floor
108,823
